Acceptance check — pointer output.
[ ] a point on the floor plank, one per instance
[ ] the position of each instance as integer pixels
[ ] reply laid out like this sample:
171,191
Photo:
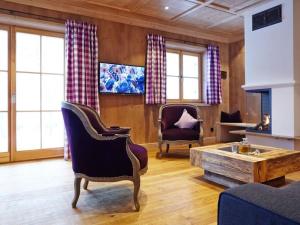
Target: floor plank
172,192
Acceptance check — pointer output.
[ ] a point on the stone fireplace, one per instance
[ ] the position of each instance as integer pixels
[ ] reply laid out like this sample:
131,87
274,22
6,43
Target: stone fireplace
259,110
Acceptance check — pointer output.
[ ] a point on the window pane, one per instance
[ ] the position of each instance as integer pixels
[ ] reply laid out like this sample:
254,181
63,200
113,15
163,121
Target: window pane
172,64
3,132
28,91
190,66
28,52
52,92
3,91
172,87
52,130
190,88
28,130
4,49
52,55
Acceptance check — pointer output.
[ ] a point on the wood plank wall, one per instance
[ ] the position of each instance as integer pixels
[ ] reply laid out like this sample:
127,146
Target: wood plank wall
121,43
237,78
126,44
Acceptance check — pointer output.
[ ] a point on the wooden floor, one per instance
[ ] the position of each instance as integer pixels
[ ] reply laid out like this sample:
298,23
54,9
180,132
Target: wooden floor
172,192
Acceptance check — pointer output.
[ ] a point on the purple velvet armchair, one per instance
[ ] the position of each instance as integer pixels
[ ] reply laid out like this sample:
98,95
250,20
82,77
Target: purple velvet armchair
101,155
168,133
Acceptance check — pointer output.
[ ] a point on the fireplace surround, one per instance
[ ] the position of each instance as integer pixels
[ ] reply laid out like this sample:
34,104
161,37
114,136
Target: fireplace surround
259,110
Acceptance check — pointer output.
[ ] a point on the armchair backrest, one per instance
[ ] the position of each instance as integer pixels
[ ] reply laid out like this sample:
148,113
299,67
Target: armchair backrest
171,113
93,154
93,118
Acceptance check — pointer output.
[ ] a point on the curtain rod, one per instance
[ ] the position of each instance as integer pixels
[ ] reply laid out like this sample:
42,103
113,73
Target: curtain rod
37,16
186,42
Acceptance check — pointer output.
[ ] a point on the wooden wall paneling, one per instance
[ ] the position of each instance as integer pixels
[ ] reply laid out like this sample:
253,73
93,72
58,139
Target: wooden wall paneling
237,78
224,58
210,115
126,44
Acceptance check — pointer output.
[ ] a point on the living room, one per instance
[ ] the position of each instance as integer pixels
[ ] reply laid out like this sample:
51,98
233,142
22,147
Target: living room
157,95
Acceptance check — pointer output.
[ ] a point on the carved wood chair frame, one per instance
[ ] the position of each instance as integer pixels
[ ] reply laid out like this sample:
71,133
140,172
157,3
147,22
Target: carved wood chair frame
177,142
137,172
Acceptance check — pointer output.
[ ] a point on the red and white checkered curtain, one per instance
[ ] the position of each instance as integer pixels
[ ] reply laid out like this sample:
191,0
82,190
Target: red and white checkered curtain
81,45
213,92
156,72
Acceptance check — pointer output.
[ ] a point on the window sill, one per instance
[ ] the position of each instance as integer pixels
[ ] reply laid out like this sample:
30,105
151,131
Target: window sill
200,104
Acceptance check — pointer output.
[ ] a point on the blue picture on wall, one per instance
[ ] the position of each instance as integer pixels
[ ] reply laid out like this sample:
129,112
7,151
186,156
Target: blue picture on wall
121,79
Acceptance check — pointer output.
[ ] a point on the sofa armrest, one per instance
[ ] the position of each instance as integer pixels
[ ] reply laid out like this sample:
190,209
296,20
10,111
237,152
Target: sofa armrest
252,204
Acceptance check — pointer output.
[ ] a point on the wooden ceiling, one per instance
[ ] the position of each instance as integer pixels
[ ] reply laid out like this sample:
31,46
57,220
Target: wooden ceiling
220,20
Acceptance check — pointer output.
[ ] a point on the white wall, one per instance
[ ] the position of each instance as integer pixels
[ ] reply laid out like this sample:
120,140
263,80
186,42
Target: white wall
269,51
297,110
296,40
283,111
272,60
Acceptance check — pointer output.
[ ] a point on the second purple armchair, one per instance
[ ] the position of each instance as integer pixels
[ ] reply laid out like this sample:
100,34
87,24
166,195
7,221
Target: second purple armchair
168,133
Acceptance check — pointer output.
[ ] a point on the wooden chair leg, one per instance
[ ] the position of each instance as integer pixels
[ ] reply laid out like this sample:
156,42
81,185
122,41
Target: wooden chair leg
160,150
136,183
168,148
85,185
77,182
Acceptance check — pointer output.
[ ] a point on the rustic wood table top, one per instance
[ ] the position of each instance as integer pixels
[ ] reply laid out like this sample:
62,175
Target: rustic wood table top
223,166
266,152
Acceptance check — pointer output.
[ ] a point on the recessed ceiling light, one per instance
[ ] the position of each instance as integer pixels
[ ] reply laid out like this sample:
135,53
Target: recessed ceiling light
166,7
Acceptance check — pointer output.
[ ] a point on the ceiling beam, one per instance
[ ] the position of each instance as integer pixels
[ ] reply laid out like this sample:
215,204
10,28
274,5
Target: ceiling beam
228,19
107,5
238,9
100,12
246,5
215,6
192,9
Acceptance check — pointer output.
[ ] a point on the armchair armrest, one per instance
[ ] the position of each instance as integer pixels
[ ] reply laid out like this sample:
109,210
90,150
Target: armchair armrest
118,130
115,127
199,128
107,134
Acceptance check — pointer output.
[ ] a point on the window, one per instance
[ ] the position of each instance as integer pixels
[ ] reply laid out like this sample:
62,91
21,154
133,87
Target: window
32,71
39,91
3,91
183,76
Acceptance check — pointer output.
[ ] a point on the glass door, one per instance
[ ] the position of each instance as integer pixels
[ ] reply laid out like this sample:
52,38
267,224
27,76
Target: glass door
39,91
4,107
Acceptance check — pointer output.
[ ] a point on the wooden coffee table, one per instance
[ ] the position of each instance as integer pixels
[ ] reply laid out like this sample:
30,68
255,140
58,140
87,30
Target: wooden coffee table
231,169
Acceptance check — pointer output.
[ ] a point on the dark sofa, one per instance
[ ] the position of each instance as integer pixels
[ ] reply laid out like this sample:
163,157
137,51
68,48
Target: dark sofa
258,204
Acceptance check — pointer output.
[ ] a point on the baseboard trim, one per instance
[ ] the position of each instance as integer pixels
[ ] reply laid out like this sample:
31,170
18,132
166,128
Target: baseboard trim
150,145
206,141
210,140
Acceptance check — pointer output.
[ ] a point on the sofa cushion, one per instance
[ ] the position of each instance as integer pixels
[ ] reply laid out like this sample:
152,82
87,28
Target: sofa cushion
186,120
171,114
180,134
141,153
253,204
231,117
